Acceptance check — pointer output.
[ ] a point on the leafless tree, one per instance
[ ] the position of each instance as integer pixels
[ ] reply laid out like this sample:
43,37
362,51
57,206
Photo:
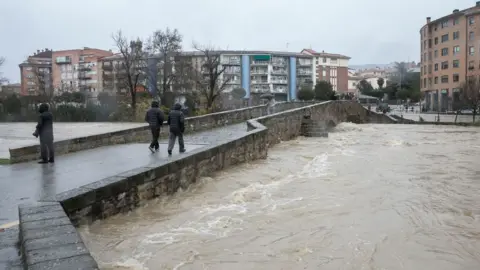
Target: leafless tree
131,67
2,79
167,44
470,94
209,78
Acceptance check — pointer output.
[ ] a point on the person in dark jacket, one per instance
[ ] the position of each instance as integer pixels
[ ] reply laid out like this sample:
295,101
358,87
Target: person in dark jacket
154,117
44,130
176,121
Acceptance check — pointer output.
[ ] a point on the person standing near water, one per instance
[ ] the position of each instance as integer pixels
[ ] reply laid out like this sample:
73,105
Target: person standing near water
44,130
154,117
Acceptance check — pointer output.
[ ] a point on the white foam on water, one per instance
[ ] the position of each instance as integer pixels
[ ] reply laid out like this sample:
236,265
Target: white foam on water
347,127
127,264
317,167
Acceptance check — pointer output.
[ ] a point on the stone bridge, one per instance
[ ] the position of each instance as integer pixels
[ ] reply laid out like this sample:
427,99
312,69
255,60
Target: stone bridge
102,175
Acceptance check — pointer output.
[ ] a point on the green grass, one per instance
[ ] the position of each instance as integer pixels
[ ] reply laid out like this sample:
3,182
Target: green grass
4,161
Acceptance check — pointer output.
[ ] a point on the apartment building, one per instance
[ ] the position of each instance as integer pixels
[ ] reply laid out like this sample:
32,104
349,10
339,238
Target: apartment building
331,67
449,53
77,70
35,73
61,71
280,73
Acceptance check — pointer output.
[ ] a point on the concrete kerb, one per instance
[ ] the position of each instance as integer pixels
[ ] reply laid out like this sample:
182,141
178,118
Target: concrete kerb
127,191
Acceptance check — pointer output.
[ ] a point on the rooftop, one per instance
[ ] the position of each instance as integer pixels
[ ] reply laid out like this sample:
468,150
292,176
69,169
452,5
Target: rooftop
324,54
468,11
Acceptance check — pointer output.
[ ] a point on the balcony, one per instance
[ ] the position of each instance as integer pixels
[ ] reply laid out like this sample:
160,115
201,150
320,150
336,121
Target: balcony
260,63
232,71
107,66
231,62
280,72
279,81
304,64
84,76
279,63
304,73
279,90
261,90
84,68
259,72
63,60
260,82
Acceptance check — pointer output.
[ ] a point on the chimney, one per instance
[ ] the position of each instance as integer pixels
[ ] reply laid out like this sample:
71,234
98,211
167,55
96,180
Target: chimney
38,51
455,10
429,19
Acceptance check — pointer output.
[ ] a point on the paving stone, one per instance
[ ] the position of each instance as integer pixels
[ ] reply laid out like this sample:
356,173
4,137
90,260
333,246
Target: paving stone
55,253
48,232
83,262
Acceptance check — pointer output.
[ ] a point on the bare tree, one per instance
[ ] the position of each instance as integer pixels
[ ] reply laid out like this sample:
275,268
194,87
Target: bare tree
2,79
131,67
470,94
168,45
209,78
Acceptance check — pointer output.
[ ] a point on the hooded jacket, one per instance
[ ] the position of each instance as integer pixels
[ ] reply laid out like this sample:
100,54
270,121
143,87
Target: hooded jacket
44,127
154,116
176,119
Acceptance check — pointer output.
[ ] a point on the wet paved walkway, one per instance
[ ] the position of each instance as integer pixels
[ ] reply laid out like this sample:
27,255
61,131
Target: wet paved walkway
26,182
14,135
9,256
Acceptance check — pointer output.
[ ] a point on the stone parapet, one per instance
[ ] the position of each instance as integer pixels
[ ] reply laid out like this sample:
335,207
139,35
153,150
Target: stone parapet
142,134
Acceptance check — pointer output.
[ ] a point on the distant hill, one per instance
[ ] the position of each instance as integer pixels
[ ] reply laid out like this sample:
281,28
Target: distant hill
368,66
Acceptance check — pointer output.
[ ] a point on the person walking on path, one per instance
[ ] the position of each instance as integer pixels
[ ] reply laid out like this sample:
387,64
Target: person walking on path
176,121
270,106
44,130
154,117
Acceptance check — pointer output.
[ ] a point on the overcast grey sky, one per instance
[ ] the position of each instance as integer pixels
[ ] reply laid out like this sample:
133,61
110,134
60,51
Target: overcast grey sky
369,31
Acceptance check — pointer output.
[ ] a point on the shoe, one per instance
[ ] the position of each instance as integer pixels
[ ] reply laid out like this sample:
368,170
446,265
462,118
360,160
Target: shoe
156,149
169,152
151,149
51,160
43,162
183,150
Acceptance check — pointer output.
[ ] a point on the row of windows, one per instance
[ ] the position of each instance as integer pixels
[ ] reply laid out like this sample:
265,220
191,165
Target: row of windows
443,79
446,23
445,38
444,52
443,65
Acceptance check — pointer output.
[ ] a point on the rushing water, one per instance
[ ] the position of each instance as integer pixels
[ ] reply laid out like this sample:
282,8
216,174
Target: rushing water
367,197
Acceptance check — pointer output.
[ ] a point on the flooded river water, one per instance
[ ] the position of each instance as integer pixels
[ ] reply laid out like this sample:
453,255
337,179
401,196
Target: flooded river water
367,197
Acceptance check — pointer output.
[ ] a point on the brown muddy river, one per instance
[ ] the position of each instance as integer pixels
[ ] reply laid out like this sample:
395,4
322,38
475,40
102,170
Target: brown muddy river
368,197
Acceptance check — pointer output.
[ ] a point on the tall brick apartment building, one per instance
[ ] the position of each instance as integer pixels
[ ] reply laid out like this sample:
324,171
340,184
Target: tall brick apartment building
332,68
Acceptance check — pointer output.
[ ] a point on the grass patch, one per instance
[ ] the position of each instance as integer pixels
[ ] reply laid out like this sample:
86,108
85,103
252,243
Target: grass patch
4,161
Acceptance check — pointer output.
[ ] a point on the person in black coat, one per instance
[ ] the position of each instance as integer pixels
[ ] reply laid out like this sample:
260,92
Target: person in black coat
176,121
154,117
44,130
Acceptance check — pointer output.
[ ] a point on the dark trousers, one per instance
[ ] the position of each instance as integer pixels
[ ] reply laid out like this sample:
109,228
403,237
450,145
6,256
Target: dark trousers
155,134
46,149
172,138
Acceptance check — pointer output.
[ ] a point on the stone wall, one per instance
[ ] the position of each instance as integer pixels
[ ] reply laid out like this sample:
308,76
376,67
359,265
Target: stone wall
142,134
131,189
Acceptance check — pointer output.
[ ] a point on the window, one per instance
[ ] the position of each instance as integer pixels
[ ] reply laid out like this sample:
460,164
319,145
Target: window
445,65
424,82
435,81
444,24
471,20
424,56
436,40
471,50
430,43
424,69
435,68
429,69
444,79
471,65
429,56
424,44
28,68
324,59
444,51
456,77
455,21
435,54
456,63
471,35
445,38
456,35
456,50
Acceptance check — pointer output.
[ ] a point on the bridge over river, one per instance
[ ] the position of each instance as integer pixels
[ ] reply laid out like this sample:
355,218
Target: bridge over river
367,197
251,195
